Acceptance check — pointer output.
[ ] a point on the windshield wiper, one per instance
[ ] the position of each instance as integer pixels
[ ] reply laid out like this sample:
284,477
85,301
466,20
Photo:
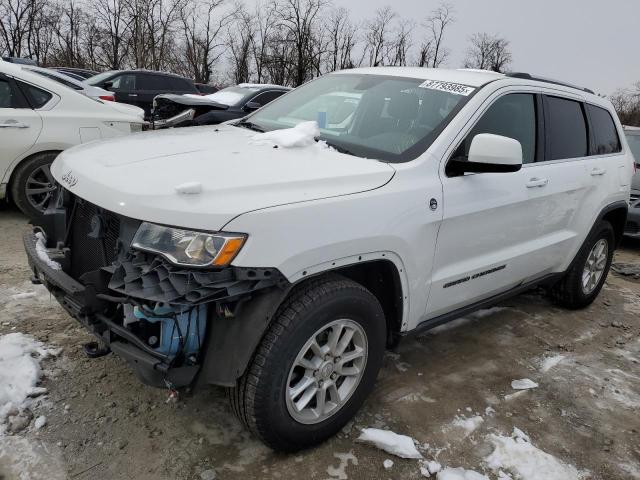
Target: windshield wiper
250,126
339,148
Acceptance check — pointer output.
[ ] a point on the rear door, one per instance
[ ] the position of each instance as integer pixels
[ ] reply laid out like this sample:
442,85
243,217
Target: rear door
123,87
20,125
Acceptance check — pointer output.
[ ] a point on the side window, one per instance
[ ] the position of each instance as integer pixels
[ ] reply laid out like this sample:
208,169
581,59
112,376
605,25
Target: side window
6,95
153,82
605,133
266,97
566,129
179,84
125,82
512,116
37,97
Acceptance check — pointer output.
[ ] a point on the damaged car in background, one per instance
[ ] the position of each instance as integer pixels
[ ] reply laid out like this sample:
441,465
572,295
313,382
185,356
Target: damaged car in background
171,110
279,255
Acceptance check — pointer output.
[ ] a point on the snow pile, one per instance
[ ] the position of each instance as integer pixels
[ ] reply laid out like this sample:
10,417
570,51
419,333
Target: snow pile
523,384
302,135
548,363
189,188
429,468
460,474
41,251
519,456
469,425
20,371
399,445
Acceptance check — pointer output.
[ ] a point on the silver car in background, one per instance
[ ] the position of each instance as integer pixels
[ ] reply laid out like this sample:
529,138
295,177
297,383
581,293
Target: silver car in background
632,228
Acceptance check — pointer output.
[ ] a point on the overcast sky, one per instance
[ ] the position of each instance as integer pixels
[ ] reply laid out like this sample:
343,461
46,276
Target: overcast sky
593,43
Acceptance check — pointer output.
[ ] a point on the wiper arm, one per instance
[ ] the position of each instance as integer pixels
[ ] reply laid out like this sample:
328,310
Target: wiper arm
250,126
338,148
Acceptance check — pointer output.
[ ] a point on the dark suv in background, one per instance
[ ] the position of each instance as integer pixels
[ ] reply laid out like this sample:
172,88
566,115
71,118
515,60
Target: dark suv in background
139,87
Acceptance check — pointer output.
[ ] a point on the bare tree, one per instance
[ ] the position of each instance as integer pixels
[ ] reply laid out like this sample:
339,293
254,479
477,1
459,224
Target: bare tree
436,24
15,24
113,23
627,104
342,35
376,35
240,42
488,52
402,43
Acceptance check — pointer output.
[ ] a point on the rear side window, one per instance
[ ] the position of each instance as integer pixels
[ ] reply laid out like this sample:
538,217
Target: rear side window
6,95
125,82
37,97
153,82
512,116
566,129
605,134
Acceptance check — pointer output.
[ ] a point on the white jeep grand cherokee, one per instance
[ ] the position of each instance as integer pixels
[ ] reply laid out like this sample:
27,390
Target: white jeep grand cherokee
281,267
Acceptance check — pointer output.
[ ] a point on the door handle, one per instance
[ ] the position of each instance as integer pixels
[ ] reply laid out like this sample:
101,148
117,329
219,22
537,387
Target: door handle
133,94
537,182
597,172
13,124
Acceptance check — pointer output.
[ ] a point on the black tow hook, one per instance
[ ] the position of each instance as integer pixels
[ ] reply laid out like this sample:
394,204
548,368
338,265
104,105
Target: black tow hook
95,350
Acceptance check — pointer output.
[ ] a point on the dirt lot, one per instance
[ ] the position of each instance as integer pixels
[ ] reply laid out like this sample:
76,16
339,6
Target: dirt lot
449,390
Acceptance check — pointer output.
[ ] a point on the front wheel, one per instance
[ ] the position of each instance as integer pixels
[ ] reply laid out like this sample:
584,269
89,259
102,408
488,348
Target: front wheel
315,366
586,276
32,186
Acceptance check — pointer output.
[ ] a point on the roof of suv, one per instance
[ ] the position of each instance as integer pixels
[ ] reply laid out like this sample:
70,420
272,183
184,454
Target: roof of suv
473,78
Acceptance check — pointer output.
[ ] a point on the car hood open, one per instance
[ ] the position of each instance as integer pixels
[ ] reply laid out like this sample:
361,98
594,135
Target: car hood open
203,177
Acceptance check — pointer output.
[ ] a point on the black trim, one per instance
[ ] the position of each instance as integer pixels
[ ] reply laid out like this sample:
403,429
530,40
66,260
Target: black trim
460,312
528,76
541,146
459,166
20,98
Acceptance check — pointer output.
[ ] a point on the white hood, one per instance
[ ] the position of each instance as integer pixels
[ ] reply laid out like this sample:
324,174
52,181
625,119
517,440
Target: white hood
202,177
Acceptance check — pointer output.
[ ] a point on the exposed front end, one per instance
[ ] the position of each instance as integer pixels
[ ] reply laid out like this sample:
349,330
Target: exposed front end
153,312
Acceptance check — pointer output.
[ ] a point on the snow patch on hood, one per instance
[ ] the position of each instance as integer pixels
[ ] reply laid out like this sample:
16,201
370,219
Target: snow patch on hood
302,135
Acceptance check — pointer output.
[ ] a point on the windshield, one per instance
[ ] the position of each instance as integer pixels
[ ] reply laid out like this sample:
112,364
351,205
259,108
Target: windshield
101,77
231,96
634,143
387,118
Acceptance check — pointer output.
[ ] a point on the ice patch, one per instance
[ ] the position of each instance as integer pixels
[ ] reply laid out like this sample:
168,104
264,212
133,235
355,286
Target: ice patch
387,464
189,188
548,363
523,384
399,445
460,474
41,251
469,425
20,371
339,472
40,422
23,295
519,456
302,135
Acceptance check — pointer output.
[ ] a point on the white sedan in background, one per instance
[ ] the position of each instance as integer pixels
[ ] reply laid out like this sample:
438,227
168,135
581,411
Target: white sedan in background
39,118
77,85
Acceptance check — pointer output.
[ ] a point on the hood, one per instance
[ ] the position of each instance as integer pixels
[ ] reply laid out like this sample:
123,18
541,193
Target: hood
203,177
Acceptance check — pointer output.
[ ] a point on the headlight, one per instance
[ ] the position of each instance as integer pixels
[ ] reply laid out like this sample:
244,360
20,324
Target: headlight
186,247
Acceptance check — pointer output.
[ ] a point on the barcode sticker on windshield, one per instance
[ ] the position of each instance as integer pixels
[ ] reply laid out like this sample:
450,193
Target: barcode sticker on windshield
455,88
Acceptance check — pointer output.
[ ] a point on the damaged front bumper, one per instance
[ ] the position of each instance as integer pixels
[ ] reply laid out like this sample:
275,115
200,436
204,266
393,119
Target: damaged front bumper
157,316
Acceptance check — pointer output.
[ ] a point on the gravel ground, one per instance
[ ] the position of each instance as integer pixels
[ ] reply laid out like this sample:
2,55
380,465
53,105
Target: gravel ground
450,390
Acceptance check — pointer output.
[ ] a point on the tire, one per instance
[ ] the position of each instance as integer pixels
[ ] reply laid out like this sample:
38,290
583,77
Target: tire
261,397
570,292
34,172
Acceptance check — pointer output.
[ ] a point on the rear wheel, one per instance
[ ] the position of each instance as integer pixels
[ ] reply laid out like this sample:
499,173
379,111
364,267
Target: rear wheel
586,276
33,187
315,366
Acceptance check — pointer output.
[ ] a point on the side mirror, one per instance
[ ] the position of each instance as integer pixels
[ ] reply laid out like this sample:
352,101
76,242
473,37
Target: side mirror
251,106
488,154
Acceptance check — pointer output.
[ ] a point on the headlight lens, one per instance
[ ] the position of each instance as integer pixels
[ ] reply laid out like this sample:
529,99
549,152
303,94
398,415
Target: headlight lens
187,247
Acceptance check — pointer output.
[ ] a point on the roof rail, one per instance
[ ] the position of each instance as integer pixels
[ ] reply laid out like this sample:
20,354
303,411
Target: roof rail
528,76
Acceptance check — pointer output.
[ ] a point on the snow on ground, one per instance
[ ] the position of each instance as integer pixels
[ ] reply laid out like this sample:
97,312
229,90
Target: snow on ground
460,474
20,372
23,459
469,425
399,445
516,454
302,135
523,384
547,363
339,472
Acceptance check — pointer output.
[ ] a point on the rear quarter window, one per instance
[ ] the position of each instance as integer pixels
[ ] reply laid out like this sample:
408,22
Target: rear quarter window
37,97
566,129
605,134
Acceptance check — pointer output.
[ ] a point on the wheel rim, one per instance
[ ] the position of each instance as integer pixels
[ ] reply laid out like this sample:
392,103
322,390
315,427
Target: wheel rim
326,371
40,187
594,267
